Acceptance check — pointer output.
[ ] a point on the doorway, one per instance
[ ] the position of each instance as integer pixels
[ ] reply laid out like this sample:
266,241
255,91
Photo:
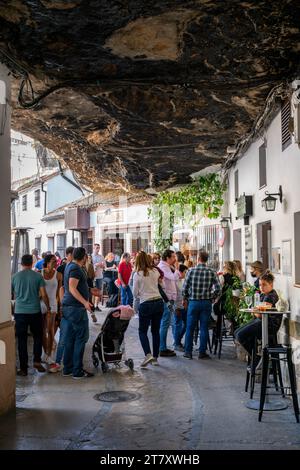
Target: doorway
237,244
264,249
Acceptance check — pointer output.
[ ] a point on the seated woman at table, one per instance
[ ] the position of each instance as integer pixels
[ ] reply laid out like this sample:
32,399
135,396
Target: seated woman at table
246,335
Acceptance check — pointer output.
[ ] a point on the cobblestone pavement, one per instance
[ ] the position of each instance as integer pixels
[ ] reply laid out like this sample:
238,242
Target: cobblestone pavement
181,404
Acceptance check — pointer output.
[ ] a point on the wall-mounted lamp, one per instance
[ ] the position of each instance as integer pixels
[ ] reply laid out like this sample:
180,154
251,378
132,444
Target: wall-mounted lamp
269,203
225,221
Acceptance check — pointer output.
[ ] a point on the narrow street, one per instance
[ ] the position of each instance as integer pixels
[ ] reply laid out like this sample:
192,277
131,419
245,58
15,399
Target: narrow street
181,404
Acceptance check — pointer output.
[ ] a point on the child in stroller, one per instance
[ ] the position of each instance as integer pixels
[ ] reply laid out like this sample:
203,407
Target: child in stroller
109,343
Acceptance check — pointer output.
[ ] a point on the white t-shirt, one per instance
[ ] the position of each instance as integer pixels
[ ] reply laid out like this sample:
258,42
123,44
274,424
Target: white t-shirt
98,271
146,287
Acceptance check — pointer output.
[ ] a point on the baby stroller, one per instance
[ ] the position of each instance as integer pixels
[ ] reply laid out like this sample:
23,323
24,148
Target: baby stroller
108,347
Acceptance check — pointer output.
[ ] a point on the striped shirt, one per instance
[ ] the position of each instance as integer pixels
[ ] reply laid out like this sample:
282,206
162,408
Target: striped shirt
201,283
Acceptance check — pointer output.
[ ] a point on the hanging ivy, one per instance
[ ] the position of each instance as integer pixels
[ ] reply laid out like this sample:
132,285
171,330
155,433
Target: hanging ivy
187,205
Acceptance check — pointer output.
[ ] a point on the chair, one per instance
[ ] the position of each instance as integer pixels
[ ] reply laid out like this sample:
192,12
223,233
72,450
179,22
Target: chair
277,354
275,370
221,333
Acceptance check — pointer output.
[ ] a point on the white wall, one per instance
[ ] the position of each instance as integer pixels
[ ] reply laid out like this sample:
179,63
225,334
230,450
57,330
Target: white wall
283,168
5,243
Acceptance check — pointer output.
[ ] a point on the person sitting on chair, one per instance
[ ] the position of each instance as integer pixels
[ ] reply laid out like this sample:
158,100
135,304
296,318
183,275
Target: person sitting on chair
246,335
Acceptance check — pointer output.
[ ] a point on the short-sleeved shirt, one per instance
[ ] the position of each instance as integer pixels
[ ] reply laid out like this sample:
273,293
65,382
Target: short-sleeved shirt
61,269
39,265
26,286
125,271
72,270
98,271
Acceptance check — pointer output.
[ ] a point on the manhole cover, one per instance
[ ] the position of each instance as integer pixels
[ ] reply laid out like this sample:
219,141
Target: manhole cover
116,396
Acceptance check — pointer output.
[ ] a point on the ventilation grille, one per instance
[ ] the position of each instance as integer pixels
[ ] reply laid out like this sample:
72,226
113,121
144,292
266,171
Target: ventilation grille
286,137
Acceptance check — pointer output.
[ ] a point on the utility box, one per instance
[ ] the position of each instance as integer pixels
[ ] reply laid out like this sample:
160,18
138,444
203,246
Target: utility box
77,218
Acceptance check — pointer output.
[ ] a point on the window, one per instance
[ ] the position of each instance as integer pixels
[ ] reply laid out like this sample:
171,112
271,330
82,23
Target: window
61,244
37,198
51,244
286,136
236,185
38,244
297,246
24,202
207,239
262,166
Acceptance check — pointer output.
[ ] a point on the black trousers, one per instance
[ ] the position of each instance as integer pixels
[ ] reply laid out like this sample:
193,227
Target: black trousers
35,322
246,335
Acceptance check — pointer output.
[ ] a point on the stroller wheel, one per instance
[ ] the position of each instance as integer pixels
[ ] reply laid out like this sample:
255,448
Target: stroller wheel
104,367
95,362
129,363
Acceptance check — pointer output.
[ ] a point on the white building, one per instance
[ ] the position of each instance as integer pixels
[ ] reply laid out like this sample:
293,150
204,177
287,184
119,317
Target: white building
119,225
40,207
271,163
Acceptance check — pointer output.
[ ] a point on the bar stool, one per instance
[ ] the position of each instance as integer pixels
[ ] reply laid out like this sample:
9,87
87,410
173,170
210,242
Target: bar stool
252,366
274,354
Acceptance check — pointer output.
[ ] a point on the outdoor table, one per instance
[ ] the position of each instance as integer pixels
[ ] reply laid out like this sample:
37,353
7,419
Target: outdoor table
274,404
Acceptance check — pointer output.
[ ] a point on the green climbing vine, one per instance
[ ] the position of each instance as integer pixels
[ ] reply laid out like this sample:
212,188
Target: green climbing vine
187,205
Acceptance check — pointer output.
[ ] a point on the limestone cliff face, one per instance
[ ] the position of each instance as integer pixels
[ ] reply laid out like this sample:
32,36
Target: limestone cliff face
147,92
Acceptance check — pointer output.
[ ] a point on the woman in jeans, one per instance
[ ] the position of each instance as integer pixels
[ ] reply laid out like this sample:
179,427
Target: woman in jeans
145,287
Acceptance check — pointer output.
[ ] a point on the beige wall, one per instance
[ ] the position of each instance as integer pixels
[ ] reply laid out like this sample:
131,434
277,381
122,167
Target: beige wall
7,337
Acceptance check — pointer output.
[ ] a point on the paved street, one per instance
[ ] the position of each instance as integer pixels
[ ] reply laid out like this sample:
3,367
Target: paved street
181,404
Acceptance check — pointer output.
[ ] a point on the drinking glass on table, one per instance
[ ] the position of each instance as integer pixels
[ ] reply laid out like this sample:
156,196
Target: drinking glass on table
248,300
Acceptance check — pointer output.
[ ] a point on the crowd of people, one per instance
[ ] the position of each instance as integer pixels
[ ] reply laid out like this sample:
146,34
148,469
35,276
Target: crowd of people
165,291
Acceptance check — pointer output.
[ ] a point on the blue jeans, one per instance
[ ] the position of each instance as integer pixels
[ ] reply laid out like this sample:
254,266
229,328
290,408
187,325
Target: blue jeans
76,337
99,283
150,313
126,296
179,325
63,328
164,326
197,310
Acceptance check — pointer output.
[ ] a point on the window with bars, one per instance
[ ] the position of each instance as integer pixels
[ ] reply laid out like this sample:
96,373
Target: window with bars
24,202
37,198
38,244
51,244
262,166
61,244
286,136
207,239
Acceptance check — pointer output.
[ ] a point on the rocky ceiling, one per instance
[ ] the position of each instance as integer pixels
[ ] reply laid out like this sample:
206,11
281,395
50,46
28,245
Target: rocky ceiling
139,94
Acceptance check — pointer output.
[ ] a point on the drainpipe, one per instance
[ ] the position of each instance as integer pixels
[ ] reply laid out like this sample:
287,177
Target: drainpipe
61,172
45,198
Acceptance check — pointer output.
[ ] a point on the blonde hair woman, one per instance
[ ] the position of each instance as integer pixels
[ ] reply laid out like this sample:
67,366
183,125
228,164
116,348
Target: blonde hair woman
145,287
239,270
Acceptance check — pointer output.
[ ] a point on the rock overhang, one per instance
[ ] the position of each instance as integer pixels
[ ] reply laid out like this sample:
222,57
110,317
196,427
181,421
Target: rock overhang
147,92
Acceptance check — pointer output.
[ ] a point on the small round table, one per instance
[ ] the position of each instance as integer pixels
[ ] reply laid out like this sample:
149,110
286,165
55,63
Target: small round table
274,404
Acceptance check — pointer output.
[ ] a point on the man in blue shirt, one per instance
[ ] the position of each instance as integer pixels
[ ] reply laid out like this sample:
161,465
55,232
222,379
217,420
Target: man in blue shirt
27,287
75,306
40,264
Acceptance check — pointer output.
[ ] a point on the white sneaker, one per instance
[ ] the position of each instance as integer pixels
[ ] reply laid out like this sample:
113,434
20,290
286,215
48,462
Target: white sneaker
49,360
55,368
149,358
155,362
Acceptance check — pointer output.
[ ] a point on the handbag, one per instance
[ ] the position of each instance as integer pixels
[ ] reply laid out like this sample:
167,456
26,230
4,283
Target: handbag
163,294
